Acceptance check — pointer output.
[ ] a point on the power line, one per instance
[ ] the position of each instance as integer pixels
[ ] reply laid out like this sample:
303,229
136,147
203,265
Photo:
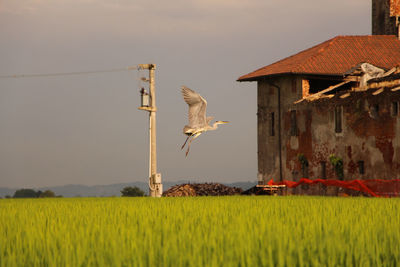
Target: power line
68,73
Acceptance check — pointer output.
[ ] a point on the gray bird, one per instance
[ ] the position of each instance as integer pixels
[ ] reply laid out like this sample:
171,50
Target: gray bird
198,122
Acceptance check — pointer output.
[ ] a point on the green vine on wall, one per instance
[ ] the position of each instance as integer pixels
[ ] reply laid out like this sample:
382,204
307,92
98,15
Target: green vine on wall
337,164
304,164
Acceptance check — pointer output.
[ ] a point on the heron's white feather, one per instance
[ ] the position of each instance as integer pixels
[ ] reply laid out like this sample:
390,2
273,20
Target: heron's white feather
197,107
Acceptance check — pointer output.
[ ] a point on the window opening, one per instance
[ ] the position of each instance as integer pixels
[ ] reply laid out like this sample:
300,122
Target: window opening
293,123
376,107
361,167
338,119
395,109
272,132
323,169
360,105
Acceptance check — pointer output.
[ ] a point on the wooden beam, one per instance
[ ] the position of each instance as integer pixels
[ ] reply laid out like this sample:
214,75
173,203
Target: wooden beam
391,71
352,78
345,95
377,92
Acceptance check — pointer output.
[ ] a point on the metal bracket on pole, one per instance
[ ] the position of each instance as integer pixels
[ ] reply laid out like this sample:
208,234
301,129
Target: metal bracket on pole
155,183
147,109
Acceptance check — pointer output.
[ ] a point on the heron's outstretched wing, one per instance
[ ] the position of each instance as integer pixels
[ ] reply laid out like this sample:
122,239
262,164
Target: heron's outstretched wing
197,107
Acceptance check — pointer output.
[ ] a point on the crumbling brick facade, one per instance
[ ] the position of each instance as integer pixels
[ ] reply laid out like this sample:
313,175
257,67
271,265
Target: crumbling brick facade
367,140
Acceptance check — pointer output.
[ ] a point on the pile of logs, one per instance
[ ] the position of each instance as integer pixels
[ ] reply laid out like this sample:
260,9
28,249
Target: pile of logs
207,189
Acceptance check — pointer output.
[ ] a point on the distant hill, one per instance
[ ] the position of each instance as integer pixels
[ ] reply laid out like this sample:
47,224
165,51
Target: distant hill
74,190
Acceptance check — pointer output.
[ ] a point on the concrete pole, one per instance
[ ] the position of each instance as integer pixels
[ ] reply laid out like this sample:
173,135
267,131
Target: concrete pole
155,178
155,184
153,144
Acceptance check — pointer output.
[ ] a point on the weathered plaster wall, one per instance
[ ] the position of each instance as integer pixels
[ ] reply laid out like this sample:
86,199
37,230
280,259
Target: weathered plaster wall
268,146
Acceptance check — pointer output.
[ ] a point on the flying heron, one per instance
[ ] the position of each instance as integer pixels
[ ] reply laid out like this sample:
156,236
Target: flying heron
198,122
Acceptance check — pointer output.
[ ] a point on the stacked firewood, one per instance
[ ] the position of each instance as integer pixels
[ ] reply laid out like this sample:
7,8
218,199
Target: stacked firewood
183,190
206,189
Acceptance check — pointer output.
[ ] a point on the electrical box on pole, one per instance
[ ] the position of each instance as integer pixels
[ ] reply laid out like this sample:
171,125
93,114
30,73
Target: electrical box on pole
148,103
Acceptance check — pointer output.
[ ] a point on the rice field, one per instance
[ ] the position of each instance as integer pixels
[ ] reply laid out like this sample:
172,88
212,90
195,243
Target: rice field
202,231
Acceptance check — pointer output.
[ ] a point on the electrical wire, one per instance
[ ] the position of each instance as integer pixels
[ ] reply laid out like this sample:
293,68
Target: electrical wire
67,73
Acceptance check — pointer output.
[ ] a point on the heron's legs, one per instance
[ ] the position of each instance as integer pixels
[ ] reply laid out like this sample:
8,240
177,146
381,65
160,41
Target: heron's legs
186,141
194,137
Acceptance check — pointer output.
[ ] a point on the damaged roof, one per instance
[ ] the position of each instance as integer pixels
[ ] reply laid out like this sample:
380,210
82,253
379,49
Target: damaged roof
335,57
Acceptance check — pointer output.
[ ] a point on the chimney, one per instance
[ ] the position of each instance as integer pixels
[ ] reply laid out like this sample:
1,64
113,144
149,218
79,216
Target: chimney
385,15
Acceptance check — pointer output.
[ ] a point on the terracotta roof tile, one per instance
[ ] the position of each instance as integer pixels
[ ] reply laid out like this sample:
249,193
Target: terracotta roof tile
336,56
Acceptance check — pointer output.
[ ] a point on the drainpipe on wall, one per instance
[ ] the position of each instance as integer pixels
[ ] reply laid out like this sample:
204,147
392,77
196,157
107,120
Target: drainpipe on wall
279,129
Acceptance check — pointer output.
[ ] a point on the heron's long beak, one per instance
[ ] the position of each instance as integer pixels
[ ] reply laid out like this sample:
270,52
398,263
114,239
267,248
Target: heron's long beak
224,121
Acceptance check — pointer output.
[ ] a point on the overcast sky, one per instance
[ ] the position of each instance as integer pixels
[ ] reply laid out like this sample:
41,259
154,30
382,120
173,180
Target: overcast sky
87,129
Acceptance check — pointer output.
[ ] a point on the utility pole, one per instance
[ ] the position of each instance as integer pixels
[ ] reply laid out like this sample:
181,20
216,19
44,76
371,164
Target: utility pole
155,185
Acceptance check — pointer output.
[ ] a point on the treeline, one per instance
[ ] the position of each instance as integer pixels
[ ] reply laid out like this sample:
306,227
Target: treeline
30,193
130,191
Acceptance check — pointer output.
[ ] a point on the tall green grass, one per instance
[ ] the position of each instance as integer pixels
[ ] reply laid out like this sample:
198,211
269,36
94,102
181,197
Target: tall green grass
202,231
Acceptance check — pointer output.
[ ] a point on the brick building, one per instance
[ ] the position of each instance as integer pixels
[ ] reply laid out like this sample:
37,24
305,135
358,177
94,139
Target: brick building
336,101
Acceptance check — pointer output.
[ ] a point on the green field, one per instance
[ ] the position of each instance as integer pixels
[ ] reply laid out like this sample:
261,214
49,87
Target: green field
202,231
